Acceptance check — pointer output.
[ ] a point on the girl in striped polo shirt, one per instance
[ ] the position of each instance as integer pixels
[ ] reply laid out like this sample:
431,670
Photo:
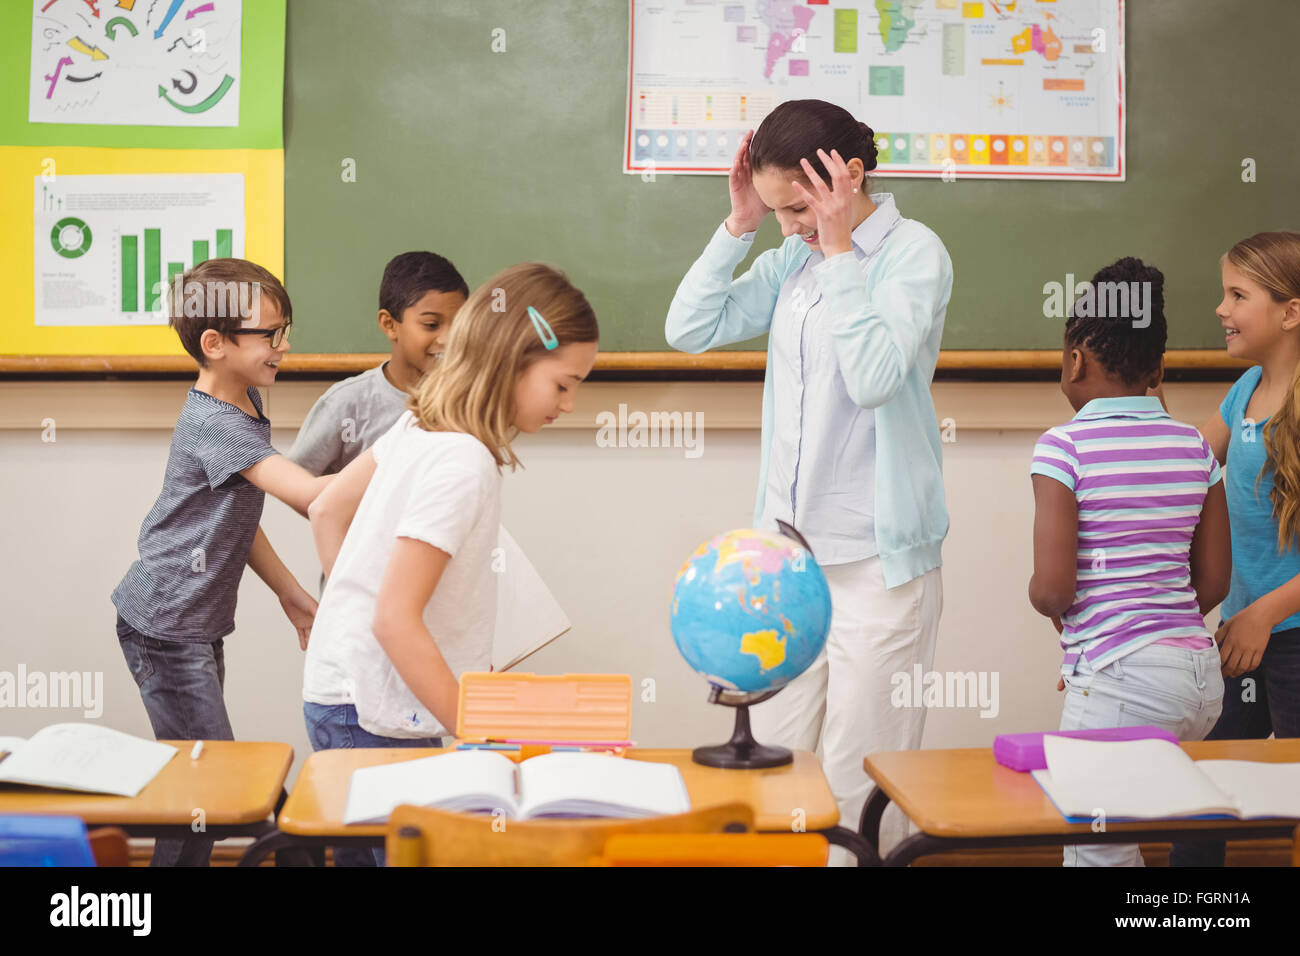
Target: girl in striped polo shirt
1131,543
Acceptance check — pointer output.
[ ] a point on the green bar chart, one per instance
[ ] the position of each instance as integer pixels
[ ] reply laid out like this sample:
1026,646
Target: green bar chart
152,266
133,279
130,274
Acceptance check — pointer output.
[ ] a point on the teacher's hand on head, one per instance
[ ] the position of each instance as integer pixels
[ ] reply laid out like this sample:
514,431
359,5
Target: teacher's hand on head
833,204
747,210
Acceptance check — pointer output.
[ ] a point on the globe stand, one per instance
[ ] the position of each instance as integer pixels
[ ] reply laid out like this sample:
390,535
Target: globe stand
742,751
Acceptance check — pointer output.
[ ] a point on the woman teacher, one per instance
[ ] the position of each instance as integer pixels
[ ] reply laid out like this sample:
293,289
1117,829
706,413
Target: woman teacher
853,302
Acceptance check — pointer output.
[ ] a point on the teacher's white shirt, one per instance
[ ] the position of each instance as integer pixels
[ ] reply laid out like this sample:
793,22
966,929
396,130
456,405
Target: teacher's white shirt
821,476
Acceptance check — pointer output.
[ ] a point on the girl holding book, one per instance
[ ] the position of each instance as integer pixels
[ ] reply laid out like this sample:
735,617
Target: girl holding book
411,598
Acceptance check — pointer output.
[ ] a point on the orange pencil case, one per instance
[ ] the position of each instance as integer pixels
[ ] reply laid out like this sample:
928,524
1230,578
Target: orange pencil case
543,713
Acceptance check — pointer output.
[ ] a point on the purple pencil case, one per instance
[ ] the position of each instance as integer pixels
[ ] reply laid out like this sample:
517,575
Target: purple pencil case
1024,752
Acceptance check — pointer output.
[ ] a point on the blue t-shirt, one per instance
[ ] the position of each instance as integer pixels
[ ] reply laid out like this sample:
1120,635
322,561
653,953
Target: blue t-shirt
194,544
1257,568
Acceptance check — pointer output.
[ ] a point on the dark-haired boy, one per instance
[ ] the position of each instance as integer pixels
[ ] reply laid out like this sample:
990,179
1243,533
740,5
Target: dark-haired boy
418,296
176,603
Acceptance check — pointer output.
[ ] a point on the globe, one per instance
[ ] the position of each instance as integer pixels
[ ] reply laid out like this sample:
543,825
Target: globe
750,610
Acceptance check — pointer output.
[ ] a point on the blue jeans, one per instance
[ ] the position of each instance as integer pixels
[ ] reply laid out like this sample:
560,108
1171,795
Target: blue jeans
181,685
335,727
1173,688
1262,702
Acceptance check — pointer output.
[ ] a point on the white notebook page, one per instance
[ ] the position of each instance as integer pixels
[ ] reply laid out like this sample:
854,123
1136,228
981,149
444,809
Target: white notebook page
448,781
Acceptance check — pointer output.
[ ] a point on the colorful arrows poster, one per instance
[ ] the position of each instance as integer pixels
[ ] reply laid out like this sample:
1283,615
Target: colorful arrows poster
141,63
149,136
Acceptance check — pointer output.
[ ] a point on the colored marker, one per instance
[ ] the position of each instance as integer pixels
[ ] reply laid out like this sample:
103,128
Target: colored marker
171,12
570,743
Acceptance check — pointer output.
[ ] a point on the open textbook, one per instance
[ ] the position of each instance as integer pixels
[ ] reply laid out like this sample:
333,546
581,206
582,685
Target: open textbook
1155,779
528,616
83,757
552,785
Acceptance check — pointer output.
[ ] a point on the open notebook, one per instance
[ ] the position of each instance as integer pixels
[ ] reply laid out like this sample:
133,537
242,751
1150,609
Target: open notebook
528,616
1155,779
551,785
83,757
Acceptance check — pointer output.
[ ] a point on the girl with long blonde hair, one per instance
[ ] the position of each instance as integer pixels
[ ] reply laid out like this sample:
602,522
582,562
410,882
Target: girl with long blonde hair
1256,436
406,531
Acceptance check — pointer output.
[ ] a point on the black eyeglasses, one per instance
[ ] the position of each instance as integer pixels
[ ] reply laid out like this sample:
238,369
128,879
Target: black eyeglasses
277,335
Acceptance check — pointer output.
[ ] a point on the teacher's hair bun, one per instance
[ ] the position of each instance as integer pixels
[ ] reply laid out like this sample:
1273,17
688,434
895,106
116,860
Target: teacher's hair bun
868,147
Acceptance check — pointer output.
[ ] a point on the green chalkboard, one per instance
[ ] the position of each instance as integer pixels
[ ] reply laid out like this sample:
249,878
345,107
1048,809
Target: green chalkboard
492,158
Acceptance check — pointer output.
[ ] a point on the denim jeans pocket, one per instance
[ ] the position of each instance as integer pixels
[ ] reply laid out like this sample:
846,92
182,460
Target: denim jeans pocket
1160,712
1085,709
326,726
1164,684
136,652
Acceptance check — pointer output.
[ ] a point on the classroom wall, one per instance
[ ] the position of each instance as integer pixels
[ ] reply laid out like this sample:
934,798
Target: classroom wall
608,528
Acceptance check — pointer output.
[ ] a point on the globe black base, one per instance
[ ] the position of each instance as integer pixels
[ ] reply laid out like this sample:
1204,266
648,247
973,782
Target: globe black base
742,751
731,756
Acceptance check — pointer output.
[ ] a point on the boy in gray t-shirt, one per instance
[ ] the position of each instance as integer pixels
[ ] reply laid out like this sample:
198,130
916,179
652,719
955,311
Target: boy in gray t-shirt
176,603
418,296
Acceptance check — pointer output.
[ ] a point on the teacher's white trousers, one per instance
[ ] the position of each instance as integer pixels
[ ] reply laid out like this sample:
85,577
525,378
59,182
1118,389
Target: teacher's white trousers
841,706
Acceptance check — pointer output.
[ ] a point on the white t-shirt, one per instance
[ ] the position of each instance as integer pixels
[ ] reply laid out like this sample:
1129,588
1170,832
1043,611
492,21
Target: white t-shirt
442,488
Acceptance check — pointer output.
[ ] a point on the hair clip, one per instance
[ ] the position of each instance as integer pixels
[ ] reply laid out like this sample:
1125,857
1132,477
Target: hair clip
543,329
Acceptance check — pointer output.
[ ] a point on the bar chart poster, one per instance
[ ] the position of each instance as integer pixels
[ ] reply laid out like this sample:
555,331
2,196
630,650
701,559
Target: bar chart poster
107,247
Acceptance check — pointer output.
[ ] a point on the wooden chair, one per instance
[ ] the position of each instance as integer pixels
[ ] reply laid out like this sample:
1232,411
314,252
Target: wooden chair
418,836
1295,848
109,847
716,849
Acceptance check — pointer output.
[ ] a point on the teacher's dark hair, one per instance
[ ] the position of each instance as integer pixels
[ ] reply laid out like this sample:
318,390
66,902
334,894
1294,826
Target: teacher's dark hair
796,129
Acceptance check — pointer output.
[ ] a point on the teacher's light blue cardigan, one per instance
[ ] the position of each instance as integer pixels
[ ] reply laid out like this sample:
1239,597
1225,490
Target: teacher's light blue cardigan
886,320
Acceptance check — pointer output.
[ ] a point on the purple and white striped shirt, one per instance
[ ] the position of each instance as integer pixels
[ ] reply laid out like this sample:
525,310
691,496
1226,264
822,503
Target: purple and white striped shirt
1140,479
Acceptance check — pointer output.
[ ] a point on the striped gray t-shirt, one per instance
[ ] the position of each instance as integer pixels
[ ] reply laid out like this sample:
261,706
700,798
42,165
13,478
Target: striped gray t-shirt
194,544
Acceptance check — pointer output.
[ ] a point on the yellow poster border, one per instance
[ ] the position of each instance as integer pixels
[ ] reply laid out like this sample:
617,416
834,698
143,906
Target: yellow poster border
263,171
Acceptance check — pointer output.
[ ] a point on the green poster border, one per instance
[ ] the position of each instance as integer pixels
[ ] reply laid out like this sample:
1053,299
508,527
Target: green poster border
261,98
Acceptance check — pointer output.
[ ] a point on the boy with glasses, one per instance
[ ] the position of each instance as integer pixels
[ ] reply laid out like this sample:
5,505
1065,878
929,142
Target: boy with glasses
176,604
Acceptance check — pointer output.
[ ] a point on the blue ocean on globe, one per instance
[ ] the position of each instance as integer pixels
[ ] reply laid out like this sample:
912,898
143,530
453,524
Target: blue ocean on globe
751,610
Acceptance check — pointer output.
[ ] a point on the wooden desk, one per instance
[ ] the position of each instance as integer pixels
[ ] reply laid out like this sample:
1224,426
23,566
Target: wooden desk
237,783
313,813
962,799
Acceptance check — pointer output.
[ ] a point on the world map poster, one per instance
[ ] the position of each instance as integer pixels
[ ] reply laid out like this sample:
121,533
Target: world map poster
1017,89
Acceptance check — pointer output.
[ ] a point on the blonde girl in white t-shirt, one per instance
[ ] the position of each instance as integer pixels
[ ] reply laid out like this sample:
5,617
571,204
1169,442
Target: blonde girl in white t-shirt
405,532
